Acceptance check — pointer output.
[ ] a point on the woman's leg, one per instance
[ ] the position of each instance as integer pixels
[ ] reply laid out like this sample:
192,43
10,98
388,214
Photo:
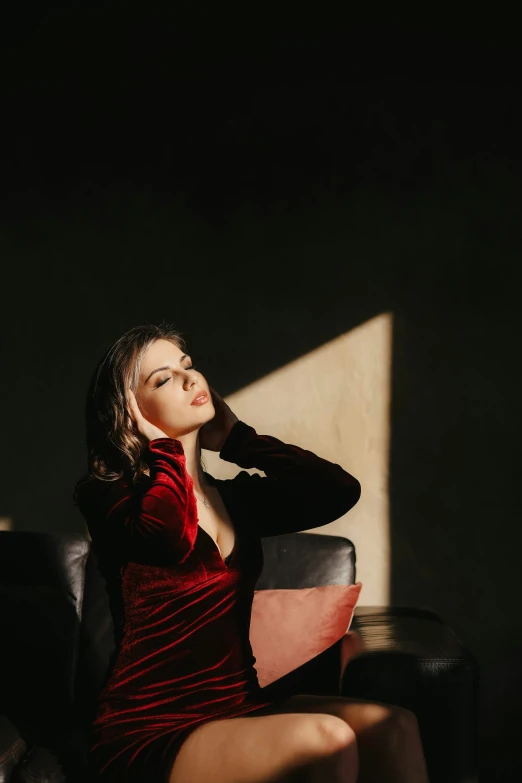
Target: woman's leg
267,748
388,739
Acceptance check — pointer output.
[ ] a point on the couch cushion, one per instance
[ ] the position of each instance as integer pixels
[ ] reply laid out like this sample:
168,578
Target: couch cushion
41,597
290,627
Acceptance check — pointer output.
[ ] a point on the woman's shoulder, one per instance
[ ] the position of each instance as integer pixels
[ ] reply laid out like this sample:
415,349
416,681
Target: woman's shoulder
90,488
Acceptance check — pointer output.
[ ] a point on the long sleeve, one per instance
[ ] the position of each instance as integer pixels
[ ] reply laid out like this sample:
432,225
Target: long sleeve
156,520
299,491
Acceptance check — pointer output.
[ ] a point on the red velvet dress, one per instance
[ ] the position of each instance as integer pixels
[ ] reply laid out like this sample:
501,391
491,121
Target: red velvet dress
181,613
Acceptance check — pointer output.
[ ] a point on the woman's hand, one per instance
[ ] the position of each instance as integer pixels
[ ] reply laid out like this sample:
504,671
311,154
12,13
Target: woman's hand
214,433
148,430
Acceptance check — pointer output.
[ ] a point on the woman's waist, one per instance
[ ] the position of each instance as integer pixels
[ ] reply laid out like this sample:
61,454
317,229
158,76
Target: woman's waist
161,700
144,669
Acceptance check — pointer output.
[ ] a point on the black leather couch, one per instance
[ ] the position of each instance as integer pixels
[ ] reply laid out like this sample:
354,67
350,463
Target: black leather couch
57,638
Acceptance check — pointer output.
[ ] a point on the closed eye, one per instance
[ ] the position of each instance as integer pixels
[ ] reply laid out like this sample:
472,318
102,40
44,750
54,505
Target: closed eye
162,383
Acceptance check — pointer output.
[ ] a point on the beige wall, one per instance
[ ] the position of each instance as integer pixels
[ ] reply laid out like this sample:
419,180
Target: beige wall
335,401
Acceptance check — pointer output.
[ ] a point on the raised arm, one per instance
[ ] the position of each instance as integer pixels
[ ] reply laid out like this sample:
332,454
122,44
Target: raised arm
300,490
157,520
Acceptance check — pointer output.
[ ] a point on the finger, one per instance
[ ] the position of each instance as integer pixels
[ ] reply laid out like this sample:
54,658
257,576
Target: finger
133,405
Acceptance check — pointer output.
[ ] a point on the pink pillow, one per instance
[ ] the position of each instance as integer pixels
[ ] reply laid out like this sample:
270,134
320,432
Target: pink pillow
290,627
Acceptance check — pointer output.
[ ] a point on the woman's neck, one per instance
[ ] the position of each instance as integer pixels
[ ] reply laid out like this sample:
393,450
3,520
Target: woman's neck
190,443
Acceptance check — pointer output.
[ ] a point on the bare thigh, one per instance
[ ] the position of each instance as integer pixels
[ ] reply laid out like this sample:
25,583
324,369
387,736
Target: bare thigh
266,748
359,714
389,745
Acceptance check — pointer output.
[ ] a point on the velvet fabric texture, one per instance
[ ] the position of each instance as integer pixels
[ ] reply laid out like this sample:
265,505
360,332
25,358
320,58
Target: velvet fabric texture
290,627
181,613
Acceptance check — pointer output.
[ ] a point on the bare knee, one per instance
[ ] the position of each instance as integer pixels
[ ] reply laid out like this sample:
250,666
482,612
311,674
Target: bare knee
337,757
403,720
315,741
394,725
330,733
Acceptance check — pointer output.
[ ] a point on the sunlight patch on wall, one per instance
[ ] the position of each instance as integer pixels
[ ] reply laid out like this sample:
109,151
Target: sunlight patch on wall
335,401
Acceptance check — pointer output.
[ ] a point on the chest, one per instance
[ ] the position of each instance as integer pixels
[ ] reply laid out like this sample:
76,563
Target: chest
216,521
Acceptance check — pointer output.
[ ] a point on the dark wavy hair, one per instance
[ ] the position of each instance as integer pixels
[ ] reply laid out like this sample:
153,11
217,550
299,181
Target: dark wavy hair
114,444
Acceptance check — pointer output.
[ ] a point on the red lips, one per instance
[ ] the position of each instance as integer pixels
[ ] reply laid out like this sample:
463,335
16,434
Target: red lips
203,398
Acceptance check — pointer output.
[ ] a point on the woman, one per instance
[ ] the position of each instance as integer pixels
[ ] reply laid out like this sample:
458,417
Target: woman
181,553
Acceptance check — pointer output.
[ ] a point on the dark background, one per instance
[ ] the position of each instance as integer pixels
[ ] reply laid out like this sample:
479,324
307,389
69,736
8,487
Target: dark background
268,179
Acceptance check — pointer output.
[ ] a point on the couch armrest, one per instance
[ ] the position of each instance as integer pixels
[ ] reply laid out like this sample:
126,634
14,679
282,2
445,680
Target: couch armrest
410,657
12,748
407,636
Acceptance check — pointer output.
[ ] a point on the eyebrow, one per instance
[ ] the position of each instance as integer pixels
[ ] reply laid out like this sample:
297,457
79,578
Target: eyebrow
165,367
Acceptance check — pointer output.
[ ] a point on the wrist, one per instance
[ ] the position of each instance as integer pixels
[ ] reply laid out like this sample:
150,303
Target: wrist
228,429
165,444
239,436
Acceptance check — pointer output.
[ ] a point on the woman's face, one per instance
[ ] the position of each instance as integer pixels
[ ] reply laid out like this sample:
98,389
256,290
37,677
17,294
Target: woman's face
167,387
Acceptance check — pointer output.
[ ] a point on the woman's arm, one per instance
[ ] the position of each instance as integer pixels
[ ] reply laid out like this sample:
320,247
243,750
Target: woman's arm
158,520
300,490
